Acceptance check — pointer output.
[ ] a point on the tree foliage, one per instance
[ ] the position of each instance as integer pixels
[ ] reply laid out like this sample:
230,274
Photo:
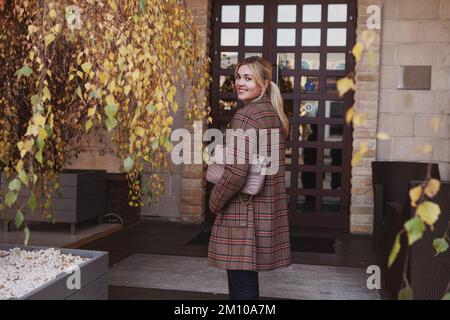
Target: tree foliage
69,67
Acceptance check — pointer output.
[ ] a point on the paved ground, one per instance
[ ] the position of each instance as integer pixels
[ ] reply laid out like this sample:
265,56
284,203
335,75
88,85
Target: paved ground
154,238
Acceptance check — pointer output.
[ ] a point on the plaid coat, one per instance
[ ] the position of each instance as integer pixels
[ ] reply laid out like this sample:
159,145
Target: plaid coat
254,236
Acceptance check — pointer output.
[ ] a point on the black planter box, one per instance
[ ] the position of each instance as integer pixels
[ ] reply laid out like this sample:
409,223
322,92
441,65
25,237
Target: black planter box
94,278
81,197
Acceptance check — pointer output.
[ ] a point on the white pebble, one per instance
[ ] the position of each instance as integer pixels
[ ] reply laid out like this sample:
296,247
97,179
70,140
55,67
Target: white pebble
22,271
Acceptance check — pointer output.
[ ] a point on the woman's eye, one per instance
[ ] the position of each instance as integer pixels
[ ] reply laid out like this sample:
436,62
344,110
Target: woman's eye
248,79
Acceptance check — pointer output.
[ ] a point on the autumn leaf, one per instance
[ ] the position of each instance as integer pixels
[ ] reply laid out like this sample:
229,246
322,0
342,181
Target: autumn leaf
440,245
414,228
394,251
49,38
414,195
429,212
432,187
382,136
344,85
349,115
357,51
24,71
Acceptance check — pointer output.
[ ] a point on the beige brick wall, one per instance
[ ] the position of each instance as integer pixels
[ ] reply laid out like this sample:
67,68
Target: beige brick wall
368,78
415,32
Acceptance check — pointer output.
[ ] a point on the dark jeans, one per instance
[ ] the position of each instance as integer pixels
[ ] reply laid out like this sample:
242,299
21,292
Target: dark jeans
243,285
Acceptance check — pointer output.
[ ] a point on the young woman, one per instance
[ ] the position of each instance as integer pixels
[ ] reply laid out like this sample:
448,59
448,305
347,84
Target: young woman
252,236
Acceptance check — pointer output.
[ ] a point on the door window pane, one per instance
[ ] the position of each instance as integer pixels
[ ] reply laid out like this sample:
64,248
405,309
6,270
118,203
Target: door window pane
333,132
331,84
336,61
310,61
288,108
332,157
254,37
226,84
305,204
286,61
229,37
307,156
287,179
254,13
230,13
228,60
286,84
309,84
309,108
312,13
336,37
337,12
227,106
310,37
331,204
332,180
287,13
307,132
334,109
288,156
252,54
306,179
286,37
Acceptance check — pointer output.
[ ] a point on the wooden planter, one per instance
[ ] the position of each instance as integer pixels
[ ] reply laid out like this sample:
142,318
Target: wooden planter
93,273
82,197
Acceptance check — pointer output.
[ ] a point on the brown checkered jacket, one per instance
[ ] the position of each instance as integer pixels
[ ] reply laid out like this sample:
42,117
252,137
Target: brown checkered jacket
254,236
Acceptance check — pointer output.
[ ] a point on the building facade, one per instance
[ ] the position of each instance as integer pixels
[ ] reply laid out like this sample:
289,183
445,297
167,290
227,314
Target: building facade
309,43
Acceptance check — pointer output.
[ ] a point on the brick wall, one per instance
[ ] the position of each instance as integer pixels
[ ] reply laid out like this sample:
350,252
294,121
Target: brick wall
415,33
366,101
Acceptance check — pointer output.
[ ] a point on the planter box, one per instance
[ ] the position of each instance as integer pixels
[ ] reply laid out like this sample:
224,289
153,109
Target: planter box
94,278
81,197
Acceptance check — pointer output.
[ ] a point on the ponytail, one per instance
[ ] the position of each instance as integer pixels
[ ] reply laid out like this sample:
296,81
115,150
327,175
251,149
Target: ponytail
277,102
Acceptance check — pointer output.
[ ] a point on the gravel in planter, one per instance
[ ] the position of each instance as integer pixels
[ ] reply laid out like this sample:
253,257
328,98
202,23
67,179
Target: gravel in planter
22,271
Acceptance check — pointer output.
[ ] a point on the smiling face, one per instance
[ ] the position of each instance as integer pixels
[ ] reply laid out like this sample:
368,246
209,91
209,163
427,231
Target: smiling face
246,86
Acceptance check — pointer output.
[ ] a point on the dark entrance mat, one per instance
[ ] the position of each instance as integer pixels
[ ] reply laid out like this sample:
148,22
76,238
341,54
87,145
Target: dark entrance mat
302,244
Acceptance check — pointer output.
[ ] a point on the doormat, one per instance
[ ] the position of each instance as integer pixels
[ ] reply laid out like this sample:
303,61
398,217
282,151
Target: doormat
302,244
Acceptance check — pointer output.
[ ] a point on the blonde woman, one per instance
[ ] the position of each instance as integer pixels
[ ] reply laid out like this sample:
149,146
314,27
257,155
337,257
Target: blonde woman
252,236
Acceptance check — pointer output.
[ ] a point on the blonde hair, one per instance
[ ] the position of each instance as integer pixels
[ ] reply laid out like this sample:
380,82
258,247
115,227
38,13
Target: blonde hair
262,71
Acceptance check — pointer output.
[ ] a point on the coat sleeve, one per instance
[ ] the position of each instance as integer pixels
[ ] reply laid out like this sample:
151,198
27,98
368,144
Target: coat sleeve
235,175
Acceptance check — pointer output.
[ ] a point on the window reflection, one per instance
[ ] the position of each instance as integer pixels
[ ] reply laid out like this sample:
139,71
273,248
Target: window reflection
309,108
286,61
309,84
307,132
331,204
288,108
332,180
286,37
286,84
228,60
336,61
332,157
310,61
333,132
305,204
226,84
310,37
334,109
